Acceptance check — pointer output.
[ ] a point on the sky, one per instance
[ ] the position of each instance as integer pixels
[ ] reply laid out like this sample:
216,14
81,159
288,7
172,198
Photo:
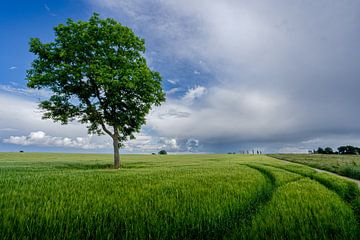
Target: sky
273,76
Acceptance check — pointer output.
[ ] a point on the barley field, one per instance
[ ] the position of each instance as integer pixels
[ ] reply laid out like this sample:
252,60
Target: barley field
345,165
77,196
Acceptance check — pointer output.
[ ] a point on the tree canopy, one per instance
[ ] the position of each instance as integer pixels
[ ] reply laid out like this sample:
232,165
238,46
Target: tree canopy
349,150
341,150
162,152
98,75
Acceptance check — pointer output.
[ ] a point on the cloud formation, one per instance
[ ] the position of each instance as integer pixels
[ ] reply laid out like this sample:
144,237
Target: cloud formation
24,116
278,73
172,91
193,94
234,114
24,91
279,76
40,138
21,116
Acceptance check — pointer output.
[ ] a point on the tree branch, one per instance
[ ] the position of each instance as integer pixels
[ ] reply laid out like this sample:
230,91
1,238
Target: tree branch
97,92
88,103
105,129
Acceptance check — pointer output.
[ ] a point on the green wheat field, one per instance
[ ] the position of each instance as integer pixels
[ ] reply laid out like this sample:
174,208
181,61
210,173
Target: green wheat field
76,196
345,165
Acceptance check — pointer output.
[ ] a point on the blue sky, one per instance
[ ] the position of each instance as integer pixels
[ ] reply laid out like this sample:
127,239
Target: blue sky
239,75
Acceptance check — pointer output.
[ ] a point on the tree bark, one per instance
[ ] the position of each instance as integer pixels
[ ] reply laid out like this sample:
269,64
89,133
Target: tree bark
117,163
115,136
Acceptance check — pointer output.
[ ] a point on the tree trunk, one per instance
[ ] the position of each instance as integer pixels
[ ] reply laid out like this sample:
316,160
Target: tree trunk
117,163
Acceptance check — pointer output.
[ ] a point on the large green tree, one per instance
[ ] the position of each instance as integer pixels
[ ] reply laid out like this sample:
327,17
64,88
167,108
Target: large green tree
98,75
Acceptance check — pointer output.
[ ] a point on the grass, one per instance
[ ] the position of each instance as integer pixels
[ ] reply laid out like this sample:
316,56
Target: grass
72,196
290,216
345,165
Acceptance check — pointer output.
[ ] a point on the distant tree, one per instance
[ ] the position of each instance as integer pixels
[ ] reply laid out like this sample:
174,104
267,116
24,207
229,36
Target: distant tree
162,152
328,150
320,151
348,150
98,75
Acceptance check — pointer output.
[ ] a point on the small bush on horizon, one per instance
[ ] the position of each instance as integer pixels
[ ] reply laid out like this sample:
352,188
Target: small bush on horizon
162,152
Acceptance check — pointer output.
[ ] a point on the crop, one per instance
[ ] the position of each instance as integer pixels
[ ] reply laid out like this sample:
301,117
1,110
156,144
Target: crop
346,165
72,196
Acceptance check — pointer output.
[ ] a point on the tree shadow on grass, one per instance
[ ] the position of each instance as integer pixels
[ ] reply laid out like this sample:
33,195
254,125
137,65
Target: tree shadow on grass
82,166
104,166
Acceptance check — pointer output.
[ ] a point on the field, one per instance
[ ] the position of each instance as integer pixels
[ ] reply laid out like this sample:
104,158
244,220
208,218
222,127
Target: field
73,196
346,165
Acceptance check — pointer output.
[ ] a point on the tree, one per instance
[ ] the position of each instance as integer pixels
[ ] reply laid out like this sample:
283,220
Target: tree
348,150
98,75
320,151
162,152
328,150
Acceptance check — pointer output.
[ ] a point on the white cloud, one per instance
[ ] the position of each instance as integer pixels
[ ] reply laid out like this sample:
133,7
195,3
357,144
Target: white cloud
48,10
25,116
40,138
173,81
7,129
172,91
46,7
25,91
142,143
284,71
236,114
194,93
12,68
147,143
168,144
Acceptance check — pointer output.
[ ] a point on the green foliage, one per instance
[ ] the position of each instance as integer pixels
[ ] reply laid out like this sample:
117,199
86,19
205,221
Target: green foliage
328,150
341,150
349,150
72,196
320,151
98,75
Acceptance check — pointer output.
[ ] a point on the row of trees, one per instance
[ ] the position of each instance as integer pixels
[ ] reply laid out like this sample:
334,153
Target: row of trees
340,150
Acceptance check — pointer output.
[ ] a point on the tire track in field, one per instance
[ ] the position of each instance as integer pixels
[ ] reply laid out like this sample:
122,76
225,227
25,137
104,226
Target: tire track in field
246,217
242,220
321,170
241,217
313,175
350,197
335,174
